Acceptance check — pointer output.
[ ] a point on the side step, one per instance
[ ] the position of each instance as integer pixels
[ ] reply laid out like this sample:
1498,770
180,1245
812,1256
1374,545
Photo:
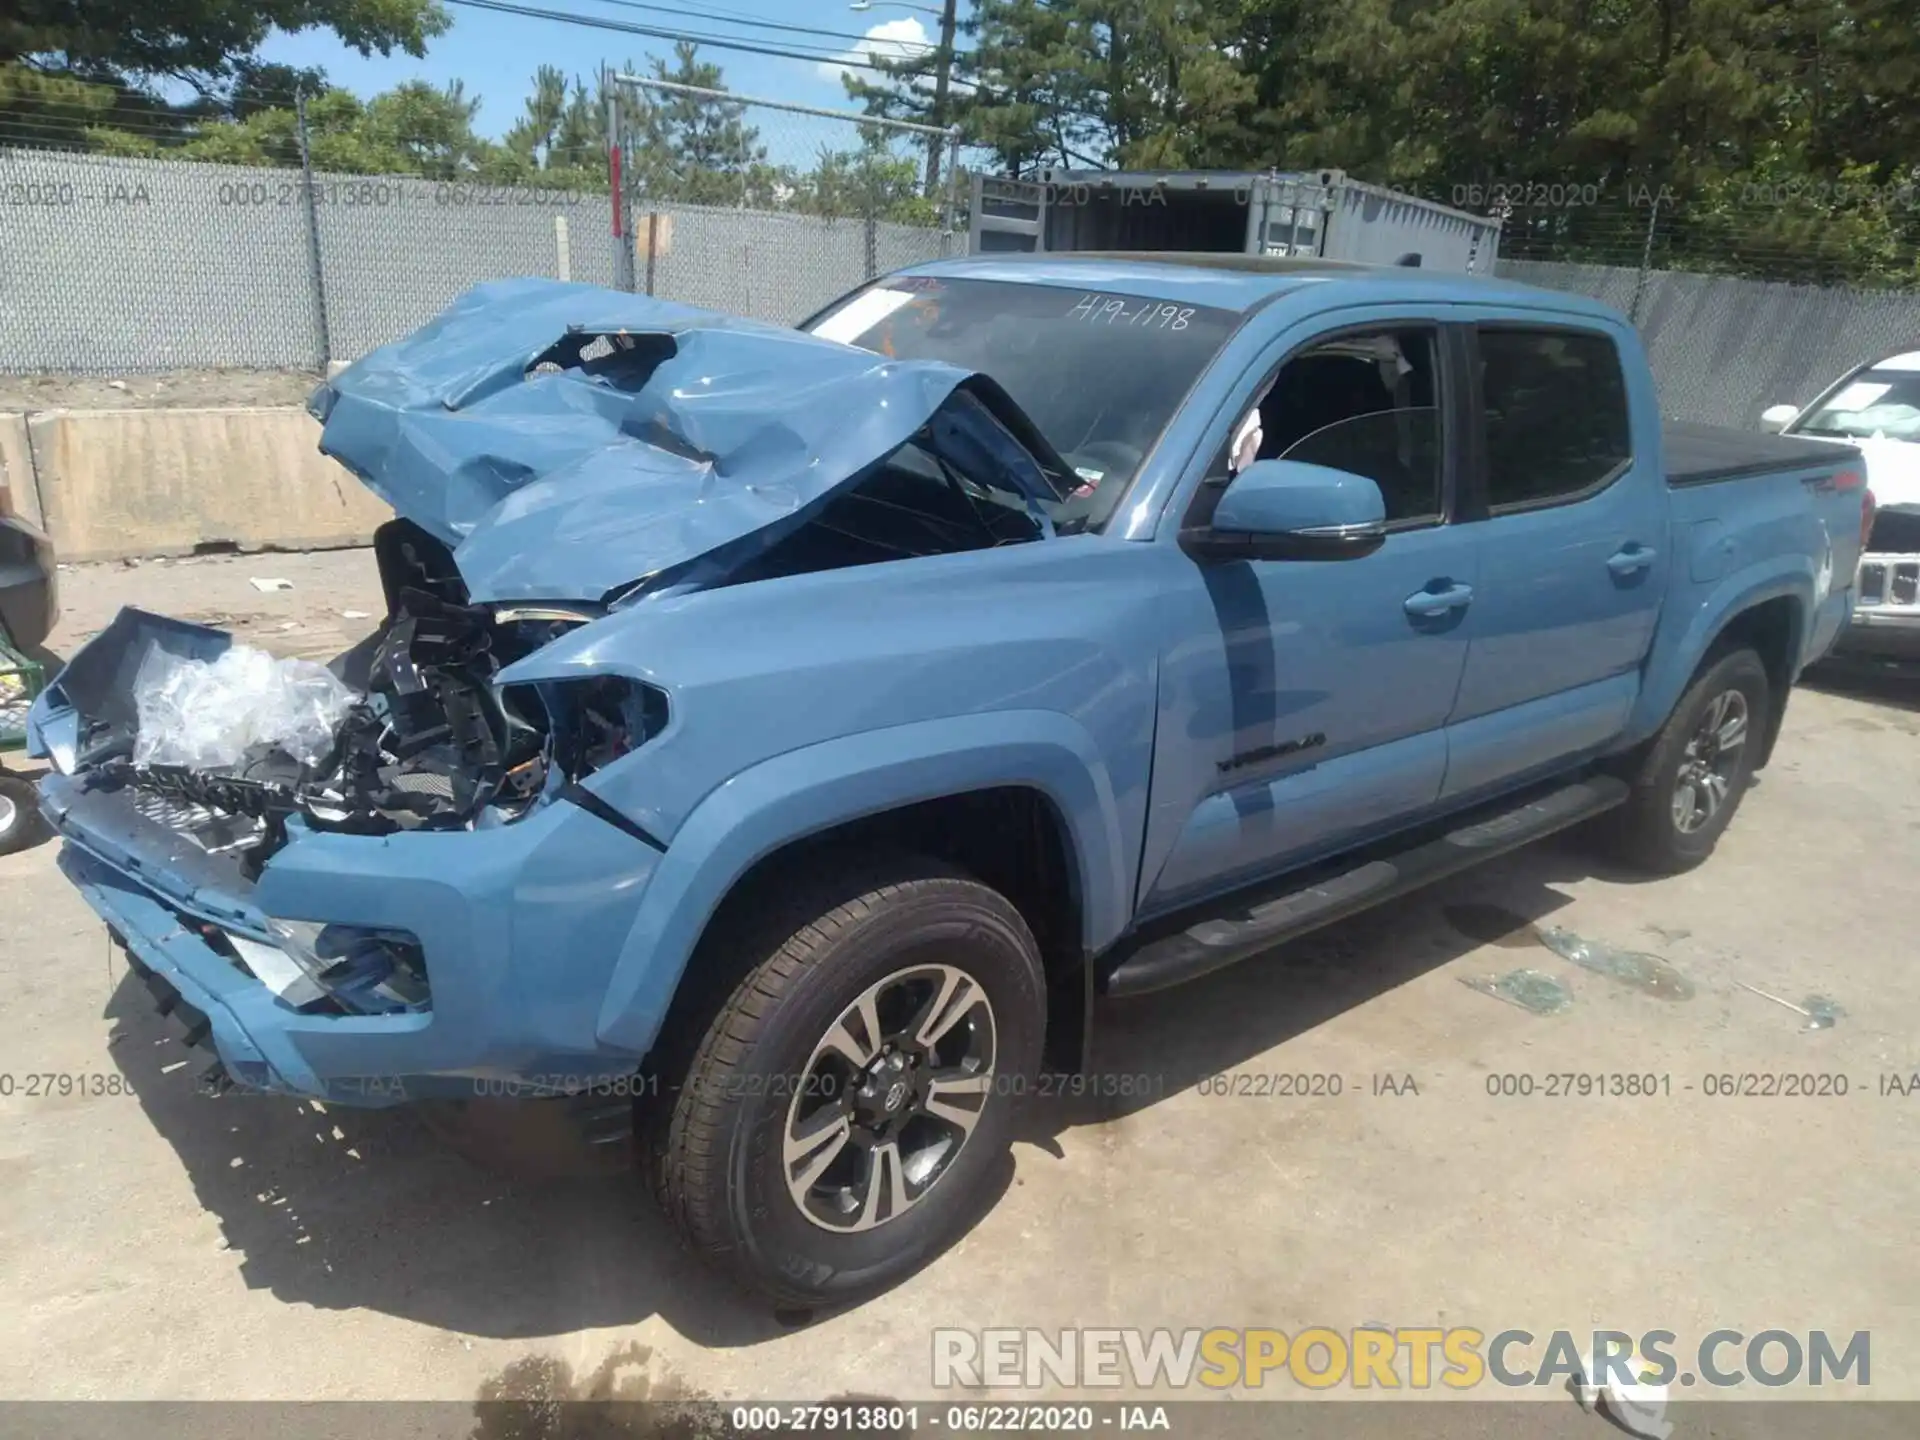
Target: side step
1258,920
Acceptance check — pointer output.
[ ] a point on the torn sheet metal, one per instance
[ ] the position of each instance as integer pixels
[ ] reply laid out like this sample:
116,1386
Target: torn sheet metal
570,440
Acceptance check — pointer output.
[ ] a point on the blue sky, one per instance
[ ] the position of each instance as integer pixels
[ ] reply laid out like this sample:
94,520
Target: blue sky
497,54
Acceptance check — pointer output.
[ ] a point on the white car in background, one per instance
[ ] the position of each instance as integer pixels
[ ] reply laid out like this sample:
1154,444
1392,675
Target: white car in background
1877,407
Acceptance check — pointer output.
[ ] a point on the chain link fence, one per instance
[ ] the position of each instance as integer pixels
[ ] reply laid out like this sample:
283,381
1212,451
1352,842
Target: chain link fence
130,263
1754,301
769,209
138,263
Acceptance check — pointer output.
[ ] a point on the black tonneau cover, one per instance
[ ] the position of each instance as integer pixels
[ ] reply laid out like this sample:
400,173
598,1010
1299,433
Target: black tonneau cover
1702,454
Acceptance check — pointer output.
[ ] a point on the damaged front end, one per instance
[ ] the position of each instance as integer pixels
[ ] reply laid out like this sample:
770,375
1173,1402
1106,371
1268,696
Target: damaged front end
422,885
428,740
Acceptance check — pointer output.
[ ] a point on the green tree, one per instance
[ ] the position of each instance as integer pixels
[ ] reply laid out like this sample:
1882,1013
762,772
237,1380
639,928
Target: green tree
1086,83
70,65
869,180
698,150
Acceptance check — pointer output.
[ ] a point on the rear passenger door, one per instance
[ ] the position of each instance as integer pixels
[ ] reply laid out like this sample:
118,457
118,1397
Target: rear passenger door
1571,521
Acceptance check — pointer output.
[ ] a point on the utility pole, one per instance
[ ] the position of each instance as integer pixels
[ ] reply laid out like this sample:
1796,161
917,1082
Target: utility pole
942,82
942,74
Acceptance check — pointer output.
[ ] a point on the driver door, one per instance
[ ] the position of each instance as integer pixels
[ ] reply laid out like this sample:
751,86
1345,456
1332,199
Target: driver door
1303,703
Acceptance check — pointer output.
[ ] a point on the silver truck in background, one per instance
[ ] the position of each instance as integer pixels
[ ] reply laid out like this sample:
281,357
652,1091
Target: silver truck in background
1325,214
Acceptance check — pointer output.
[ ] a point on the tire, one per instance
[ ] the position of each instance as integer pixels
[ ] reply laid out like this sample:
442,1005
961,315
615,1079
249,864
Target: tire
19,813
718,1139
1651,832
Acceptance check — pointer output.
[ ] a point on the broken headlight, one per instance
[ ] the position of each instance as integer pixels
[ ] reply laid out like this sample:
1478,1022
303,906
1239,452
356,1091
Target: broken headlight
593,721
366,971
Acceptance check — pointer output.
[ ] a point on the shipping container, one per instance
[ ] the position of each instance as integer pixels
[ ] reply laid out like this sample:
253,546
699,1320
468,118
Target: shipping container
1324,213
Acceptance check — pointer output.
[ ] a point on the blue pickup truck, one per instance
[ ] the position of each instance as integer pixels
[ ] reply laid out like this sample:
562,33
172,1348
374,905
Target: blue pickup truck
778,739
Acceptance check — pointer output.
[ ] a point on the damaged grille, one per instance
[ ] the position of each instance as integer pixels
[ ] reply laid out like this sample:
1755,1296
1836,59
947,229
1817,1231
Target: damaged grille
218,832
427,739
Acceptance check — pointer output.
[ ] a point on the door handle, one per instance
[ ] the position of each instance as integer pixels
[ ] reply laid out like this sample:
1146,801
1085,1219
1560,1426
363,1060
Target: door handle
1630,559
1425,604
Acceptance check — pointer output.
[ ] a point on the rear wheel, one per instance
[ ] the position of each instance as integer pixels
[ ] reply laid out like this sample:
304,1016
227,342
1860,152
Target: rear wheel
1693,775
846,1105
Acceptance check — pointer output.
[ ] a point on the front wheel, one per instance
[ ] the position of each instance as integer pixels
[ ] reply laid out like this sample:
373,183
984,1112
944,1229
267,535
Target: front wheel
846,1107
1695,772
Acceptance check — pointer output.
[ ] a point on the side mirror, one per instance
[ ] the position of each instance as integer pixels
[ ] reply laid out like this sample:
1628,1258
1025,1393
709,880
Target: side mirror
1777,417
1289,510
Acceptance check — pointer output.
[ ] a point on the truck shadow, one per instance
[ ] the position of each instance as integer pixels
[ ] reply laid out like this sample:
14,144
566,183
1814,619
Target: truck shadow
347,1209
1148,1049
374,1209
1873,681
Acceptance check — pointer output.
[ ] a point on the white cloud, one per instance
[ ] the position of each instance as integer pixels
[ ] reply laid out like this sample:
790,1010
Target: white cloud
890,39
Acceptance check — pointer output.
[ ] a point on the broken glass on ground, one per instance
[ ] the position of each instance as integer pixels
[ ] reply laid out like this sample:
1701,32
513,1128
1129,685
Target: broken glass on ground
1529,989
1492,925
1646,973
1819,1011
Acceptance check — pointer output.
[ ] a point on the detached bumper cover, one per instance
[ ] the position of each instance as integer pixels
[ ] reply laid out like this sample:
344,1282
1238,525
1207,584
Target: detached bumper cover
521,926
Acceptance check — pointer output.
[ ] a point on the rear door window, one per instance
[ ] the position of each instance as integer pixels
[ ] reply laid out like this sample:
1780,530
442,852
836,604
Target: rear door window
1554,406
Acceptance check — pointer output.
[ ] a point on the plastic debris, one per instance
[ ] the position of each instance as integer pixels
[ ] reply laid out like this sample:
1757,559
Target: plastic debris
210,716
355,615
1647,973
1637,1406
269,583
1529,989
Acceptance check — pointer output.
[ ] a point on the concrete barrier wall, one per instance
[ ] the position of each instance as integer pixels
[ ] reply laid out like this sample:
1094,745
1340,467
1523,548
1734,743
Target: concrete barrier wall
115,483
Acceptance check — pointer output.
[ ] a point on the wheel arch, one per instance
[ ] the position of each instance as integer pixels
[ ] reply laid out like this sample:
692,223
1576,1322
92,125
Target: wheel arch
1774,629
996,794
1769,612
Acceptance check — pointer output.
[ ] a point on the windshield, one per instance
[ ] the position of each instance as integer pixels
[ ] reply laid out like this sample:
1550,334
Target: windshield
1873,404
1099,374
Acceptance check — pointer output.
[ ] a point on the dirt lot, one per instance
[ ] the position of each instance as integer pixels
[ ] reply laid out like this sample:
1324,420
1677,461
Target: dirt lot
161,1244
165,389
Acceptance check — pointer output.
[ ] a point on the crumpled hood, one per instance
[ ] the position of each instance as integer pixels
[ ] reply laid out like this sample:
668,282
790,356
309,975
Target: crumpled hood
711,436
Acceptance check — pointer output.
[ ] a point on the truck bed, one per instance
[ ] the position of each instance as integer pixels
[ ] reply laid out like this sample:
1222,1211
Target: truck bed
1704,454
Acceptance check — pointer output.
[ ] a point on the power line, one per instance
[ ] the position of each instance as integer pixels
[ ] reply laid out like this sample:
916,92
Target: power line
735,18
717,42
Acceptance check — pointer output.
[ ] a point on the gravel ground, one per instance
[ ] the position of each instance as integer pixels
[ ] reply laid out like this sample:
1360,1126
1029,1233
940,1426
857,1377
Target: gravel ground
167,389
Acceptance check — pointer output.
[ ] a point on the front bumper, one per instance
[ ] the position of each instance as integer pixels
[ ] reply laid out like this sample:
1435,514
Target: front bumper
1886,612
520,924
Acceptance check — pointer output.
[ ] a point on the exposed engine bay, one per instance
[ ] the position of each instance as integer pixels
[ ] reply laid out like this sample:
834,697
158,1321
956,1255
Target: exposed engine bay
428,742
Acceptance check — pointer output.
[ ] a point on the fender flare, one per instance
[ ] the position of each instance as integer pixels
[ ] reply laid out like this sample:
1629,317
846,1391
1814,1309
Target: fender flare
807,791
1671,671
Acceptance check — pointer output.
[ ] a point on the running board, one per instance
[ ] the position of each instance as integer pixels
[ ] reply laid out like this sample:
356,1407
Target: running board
1261,919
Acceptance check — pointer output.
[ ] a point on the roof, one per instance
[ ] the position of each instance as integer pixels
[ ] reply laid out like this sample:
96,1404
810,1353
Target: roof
1235,281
